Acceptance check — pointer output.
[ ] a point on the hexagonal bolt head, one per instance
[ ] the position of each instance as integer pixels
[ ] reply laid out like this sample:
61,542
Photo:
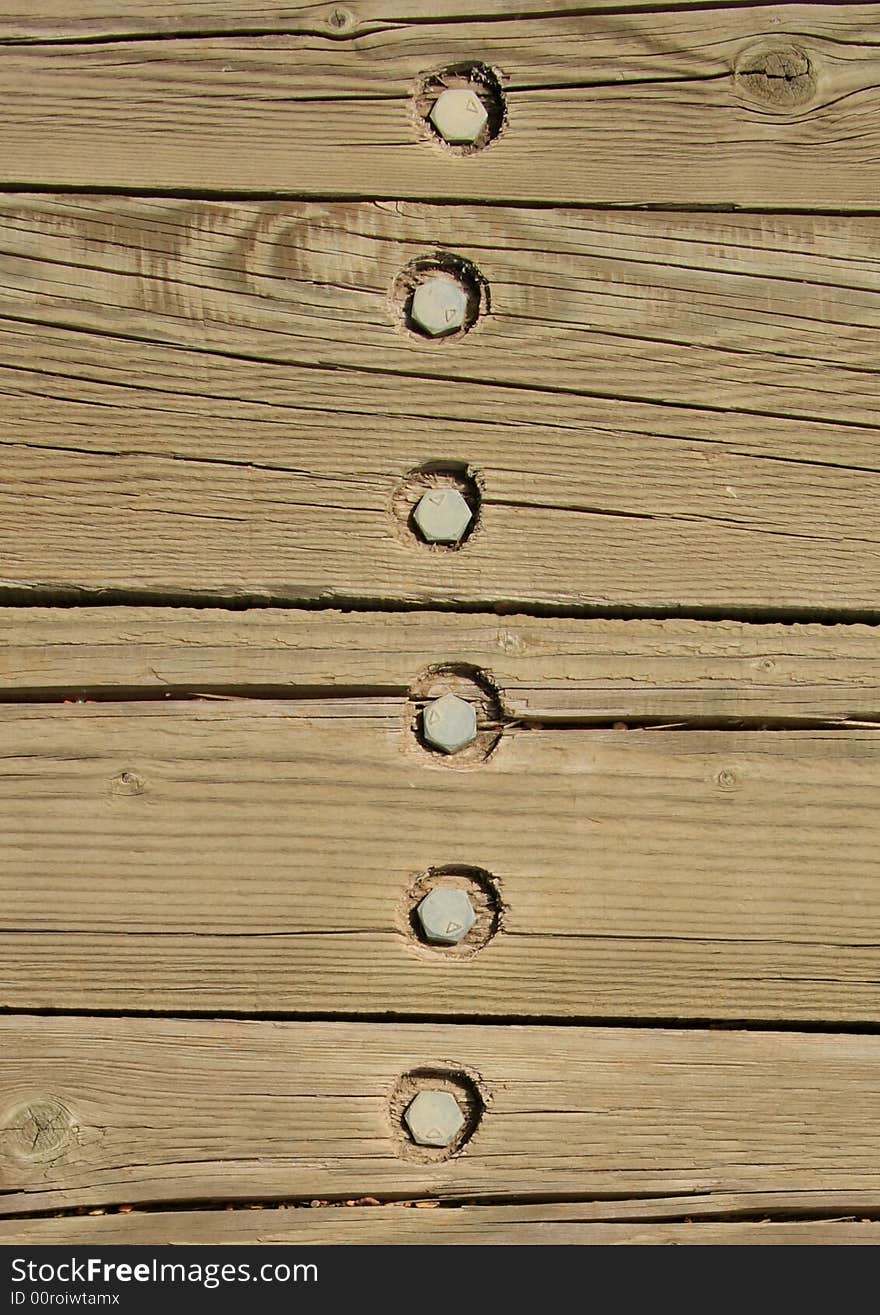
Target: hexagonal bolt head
439,306
450,724
446,915
434,1118
442,516
459,116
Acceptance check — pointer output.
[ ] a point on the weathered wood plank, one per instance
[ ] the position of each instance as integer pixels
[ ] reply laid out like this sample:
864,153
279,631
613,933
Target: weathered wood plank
156,1110
201,489
299,115
53,20
544,669
537,1225
242,856
716,311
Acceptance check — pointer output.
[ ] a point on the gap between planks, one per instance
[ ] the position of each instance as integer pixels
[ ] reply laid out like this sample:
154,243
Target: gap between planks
611,1223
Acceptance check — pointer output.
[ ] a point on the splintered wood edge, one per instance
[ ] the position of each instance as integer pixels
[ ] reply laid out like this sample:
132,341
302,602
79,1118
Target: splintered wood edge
552,669
583,1225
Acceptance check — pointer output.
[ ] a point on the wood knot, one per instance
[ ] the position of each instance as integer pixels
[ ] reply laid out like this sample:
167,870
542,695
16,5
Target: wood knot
779,76
341,21
37,1130
510,642
727,779
127,783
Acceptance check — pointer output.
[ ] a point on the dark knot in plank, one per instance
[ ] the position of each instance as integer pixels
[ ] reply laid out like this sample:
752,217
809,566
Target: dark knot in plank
779,76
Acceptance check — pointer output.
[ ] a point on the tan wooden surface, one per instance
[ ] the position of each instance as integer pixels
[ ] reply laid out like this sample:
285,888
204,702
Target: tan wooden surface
241,855
552,670
588,94
216,822
714,311
221,396
101,1111
540,1225
53,20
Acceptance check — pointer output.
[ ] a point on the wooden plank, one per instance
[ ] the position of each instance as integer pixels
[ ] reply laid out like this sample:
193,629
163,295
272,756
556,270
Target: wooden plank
147,1110
304,115
716,311
212,476
52,20
549,670
537,1225
247,856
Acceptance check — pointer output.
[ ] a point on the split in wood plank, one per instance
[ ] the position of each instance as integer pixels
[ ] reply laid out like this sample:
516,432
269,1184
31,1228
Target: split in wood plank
250,856
182,485
152,1110
764,315
52,20
689,95
537,1225
547,670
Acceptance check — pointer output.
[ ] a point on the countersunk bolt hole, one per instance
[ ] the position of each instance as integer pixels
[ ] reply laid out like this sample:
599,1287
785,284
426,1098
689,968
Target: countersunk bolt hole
451,912
435,1112
438,298
461,109
454,715
436,508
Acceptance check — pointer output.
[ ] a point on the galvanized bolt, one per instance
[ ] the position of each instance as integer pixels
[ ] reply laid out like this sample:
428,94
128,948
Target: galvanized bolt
434,1118
450,724
459,116
446,915
442,515
439,306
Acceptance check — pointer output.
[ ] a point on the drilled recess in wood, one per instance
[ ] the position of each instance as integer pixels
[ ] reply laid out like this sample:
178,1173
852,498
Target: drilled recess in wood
776,76
436,475
462,1084
484,894
486,85
423,268
468,683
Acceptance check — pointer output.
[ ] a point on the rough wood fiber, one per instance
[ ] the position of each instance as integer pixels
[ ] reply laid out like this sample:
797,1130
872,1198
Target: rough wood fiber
52,20
765,315
121,1110
548,670
154,469
241,856
588,95
536,1225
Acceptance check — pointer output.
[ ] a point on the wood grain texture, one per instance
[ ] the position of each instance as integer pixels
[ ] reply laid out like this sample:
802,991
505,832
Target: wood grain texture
765,315
250,856
548,670
220,393
511,1225
156,1110
51,20
588,94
